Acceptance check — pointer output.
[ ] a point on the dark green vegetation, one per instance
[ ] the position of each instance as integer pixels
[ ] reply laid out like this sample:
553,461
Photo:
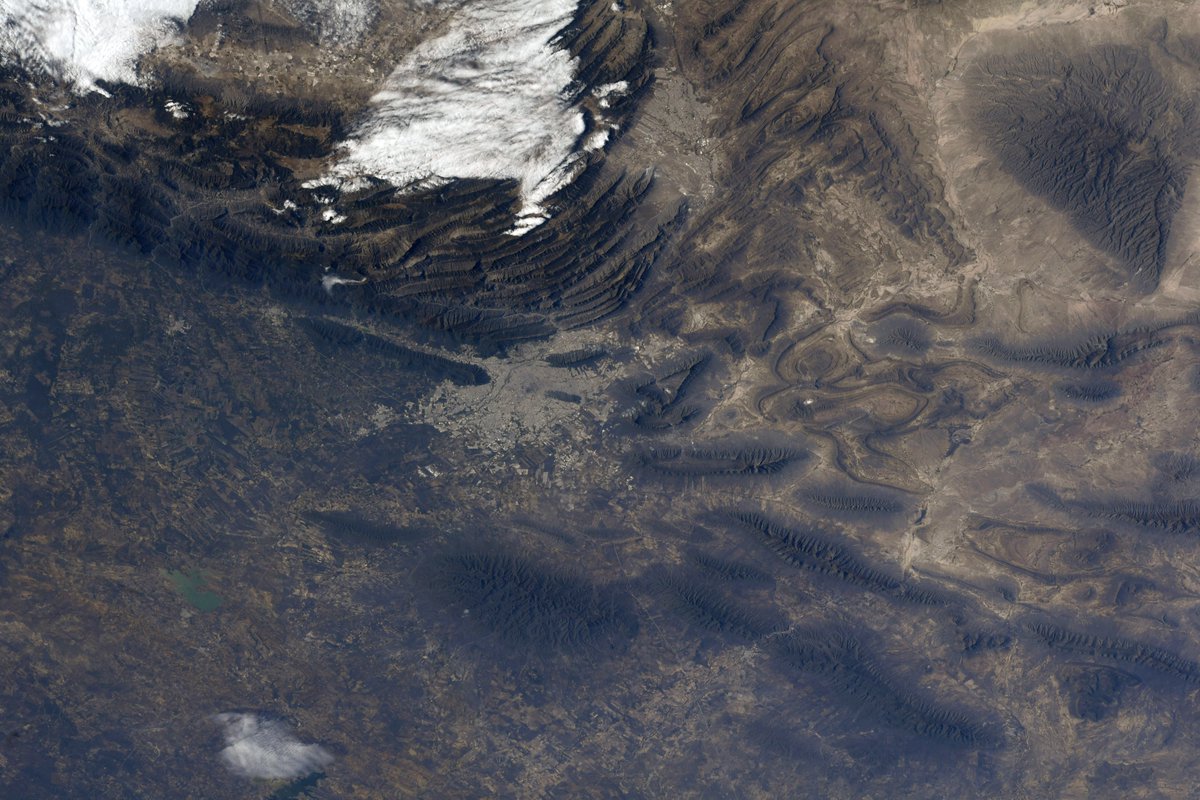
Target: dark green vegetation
1170,517
902,336
709,609
298,789
862,505
1178,467
580,358
978,643
565,397
1167,516
1090,392
1102,351
324,331
1126,651
349,527
731,570
841,660
526,604
665,402
1095,693
695,463
812,549
1102,135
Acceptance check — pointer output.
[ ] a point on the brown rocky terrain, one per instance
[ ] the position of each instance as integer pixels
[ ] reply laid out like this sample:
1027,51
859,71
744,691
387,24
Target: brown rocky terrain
835,436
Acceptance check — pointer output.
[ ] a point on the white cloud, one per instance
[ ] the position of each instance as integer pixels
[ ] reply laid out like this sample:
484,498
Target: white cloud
484,100
604,92
82,41
336,22
267,749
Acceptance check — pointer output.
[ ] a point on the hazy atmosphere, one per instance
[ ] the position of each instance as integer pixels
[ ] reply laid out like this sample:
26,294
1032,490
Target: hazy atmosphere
643,399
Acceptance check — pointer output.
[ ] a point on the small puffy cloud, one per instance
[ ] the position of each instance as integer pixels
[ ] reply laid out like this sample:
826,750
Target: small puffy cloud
267,749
